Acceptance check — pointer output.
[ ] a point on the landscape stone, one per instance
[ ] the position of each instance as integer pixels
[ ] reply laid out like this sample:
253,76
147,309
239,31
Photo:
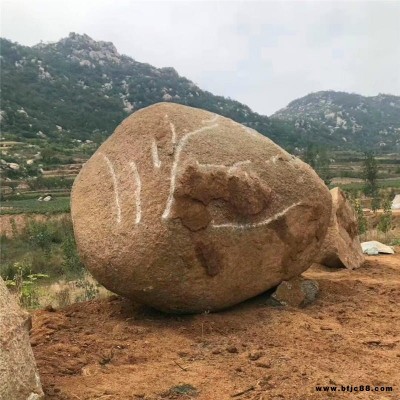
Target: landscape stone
371,251
188,211
341,247
373,245
19,378
296,292
13,166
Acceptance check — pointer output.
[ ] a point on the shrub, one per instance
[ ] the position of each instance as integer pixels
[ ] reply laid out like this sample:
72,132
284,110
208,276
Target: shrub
23,284
385,222
90,290
362,221
72,262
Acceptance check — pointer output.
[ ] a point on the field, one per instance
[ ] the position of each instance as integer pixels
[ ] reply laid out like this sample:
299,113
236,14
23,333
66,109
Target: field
33,206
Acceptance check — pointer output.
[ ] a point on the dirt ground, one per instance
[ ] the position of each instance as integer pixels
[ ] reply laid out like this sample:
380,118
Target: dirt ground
112,349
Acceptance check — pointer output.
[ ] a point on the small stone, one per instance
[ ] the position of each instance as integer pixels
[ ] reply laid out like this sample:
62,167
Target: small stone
263,364
254,356
232,349
374,246
297,292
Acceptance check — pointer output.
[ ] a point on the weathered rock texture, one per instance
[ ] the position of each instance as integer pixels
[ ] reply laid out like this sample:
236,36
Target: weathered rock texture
341,246
297,292
187,211
19,379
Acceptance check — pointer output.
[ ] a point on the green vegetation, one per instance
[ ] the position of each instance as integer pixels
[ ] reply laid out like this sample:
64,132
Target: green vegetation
32,206
38,256
362,221
60,95
46,247
346,120
385,222
23,284
370,174
317,158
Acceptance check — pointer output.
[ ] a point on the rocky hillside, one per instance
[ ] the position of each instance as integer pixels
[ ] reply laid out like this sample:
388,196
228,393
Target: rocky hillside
79,88
356,121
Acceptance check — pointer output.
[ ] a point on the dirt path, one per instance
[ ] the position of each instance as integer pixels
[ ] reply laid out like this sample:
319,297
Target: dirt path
112,349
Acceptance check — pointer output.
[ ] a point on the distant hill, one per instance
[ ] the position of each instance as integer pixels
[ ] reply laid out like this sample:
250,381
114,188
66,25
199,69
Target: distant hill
346,119
78,90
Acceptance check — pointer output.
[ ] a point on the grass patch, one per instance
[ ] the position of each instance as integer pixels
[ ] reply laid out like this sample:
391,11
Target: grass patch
45,247
32,206
389,183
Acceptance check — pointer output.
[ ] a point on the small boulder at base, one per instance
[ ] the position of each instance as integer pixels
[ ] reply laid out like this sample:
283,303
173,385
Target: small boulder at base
188,211
19,378
296,292
374,247
341,247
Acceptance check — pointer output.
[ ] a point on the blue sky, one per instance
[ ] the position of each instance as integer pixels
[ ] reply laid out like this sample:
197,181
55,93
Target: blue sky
264,54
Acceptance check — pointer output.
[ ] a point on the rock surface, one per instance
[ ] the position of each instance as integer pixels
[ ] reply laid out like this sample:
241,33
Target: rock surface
373,247
297,292
341,247
19,379
188,211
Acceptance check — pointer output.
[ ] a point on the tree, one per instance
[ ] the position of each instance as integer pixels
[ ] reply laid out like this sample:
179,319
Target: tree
385,222
370,175
310,155
361,220
318,159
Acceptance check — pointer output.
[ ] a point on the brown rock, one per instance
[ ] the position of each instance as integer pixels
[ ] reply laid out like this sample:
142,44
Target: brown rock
255,355
232,349
188,211
19,378
341,246
296,292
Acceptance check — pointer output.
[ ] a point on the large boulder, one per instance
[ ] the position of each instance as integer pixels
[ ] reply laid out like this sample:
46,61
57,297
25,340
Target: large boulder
341,248
19,378
188,211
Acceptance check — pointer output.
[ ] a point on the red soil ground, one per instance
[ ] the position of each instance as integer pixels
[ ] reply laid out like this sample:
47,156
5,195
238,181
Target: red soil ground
112,349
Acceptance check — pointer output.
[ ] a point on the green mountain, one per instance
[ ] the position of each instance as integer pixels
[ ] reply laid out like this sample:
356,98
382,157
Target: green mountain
81,89
346,120
78,90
